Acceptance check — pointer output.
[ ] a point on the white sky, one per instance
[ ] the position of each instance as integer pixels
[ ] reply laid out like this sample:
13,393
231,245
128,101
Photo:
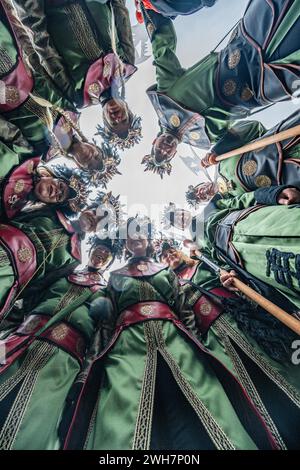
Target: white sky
198,34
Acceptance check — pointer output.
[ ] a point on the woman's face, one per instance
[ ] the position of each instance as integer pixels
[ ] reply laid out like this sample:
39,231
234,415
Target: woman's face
137,245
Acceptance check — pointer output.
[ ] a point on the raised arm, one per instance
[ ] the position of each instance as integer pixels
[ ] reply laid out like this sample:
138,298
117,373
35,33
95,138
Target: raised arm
163,39
237,135
34,18
124,31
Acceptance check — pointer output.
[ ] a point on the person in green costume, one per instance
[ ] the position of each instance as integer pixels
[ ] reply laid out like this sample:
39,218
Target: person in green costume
47,352
143,391
198,106
262,239
34,185
94,42
29,124
255,347
32,248
274,165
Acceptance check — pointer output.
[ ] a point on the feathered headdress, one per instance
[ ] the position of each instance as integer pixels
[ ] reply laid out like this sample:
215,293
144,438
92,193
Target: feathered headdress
133,137
114,245
162,168
78,182
111,160
162,244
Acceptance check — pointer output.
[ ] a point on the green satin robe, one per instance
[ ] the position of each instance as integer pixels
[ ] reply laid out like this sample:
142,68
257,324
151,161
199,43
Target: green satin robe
34,388
126,409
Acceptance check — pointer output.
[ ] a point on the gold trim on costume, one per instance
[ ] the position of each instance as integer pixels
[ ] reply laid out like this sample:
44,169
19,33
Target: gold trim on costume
215,432
37,357
6,63
4,259
247,382
142,434
82,31
94,90
147,310
194,135
265,366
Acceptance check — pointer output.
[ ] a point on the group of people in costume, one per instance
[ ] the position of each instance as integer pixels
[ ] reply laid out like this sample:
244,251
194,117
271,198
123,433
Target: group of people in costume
163,352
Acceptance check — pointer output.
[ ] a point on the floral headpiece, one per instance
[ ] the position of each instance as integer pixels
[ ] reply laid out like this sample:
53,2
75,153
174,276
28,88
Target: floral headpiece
133,137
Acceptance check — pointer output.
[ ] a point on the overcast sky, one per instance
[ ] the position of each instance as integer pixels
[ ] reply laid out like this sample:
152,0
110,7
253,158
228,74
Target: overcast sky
198,34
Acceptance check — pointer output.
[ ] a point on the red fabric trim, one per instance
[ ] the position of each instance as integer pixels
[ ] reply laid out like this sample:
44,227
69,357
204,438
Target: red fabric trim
15,241
101,75
62,335
207,311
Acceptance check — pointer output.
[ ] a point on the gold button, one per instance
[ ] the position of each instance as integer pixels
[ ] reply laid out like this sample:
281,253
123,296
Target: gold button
24,254
175,120
234,59
249,168
263,181
147,310
229,87
59,332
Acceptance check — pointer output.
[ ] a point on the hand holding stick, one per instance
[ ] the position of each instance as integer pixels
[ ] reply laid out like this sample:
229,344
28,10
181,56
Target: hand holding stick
285,318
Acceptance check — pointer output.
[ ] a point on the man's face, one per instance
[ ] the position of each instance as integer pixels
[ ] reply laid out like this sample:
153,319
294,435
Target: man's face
100,257
137,245
172,257
182,219
117,115
88,156
165,147
51,190
205,191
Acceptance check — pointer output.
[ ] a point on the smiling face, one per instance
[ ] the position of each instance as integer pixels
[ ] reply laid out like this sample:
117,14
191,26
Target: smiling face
172,257
204,192
137,245
117,115
88,156
100,257
165,147
51,190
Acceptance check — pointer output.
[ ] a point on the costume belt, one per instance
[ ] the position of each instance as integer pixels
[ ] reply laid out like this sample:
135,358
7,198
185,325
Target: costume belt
145,311
62,335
